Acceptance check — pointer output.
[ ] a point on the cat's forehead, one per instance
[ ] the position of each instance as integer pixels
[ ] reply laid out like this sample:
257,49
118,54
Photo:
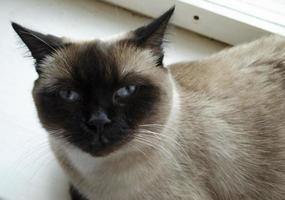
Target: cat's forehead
98,60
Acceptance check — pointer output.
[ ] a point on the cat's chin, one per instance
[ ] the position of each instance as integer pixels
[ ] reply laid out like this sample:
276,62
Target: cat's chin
100,151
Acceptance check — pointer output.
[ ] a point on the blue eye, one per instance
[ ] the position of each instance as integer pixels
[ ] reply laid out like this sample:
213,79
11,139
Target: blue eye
125,92
69,95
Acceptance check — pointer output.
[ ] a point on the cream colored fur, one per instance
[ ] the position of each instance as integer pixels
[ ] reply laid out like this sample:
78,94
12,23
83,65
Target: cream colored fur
224,138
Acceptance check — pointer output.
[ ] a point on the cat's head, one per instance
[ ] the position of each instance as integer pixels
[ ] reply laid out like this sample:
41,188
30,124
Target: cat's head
98,94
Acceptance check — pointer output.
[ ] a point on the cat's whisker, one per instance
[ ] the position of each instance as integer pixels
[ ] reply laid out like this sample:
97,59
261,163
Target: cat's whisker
159,126
137,146
167,140
168,154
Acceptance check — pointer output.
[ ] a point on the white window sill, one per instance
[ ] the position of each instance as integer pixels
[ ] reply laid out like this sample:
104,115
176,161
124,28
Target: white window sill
232,25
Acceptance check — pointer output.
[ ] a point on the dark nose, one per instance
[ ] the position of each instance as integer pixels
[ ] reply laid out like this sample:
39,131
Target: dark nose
98,121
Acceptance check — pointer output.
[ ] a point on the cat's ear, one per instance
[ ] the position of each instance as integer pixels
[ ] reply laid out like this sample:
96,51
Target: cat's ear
40,45
152,35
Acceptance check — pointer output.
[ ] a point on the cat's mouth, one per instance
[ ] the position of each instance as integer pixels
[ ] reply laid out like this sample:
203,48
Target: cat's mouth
100,143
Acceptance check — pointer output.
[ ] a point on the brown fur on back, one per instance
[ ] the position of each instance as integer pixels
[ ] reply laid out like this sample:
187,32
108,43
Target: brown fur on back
233,119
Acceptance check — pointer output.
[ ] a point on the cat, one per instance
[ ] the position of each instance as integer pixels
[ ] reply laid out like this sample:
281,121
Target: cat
124,126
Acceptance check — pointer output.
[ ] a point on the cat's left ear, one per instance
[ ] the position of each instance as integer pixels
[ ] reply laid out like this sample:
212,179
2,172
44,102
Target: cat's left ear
152,35
40,45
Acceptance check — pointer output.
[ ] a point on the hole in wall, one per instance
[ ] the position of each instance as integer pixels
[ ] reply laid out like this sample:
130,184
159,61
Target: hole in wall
196,17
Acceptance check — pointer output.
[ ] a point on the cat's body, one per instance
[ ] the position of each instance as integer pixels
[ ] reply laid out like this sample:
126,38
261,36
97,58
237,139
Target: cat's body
216,130
233,119
227,133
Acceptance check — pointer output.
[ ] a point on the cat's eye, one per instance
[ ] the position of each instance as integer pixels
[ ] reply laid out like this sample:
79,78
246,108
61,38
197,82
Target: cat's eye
69,95
124,92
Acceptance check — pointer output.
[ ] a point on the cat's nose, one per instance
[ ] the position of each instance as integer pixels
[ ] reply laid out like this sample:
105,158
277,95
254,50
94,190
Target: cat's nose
98,120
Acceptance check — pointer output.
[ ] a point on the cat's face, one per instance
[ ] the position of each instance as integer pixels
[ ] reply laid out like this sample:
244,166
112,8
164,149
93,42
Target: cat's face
96,95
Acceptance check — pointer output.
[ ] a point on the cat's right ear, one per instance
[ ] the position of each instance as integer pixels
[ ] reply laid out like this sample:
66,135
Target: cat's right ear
40,45
152,35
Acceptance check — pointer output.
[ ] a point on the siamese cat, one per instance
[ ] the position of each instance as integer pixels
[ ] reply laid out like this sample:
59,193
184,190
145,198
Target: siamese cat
125,127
